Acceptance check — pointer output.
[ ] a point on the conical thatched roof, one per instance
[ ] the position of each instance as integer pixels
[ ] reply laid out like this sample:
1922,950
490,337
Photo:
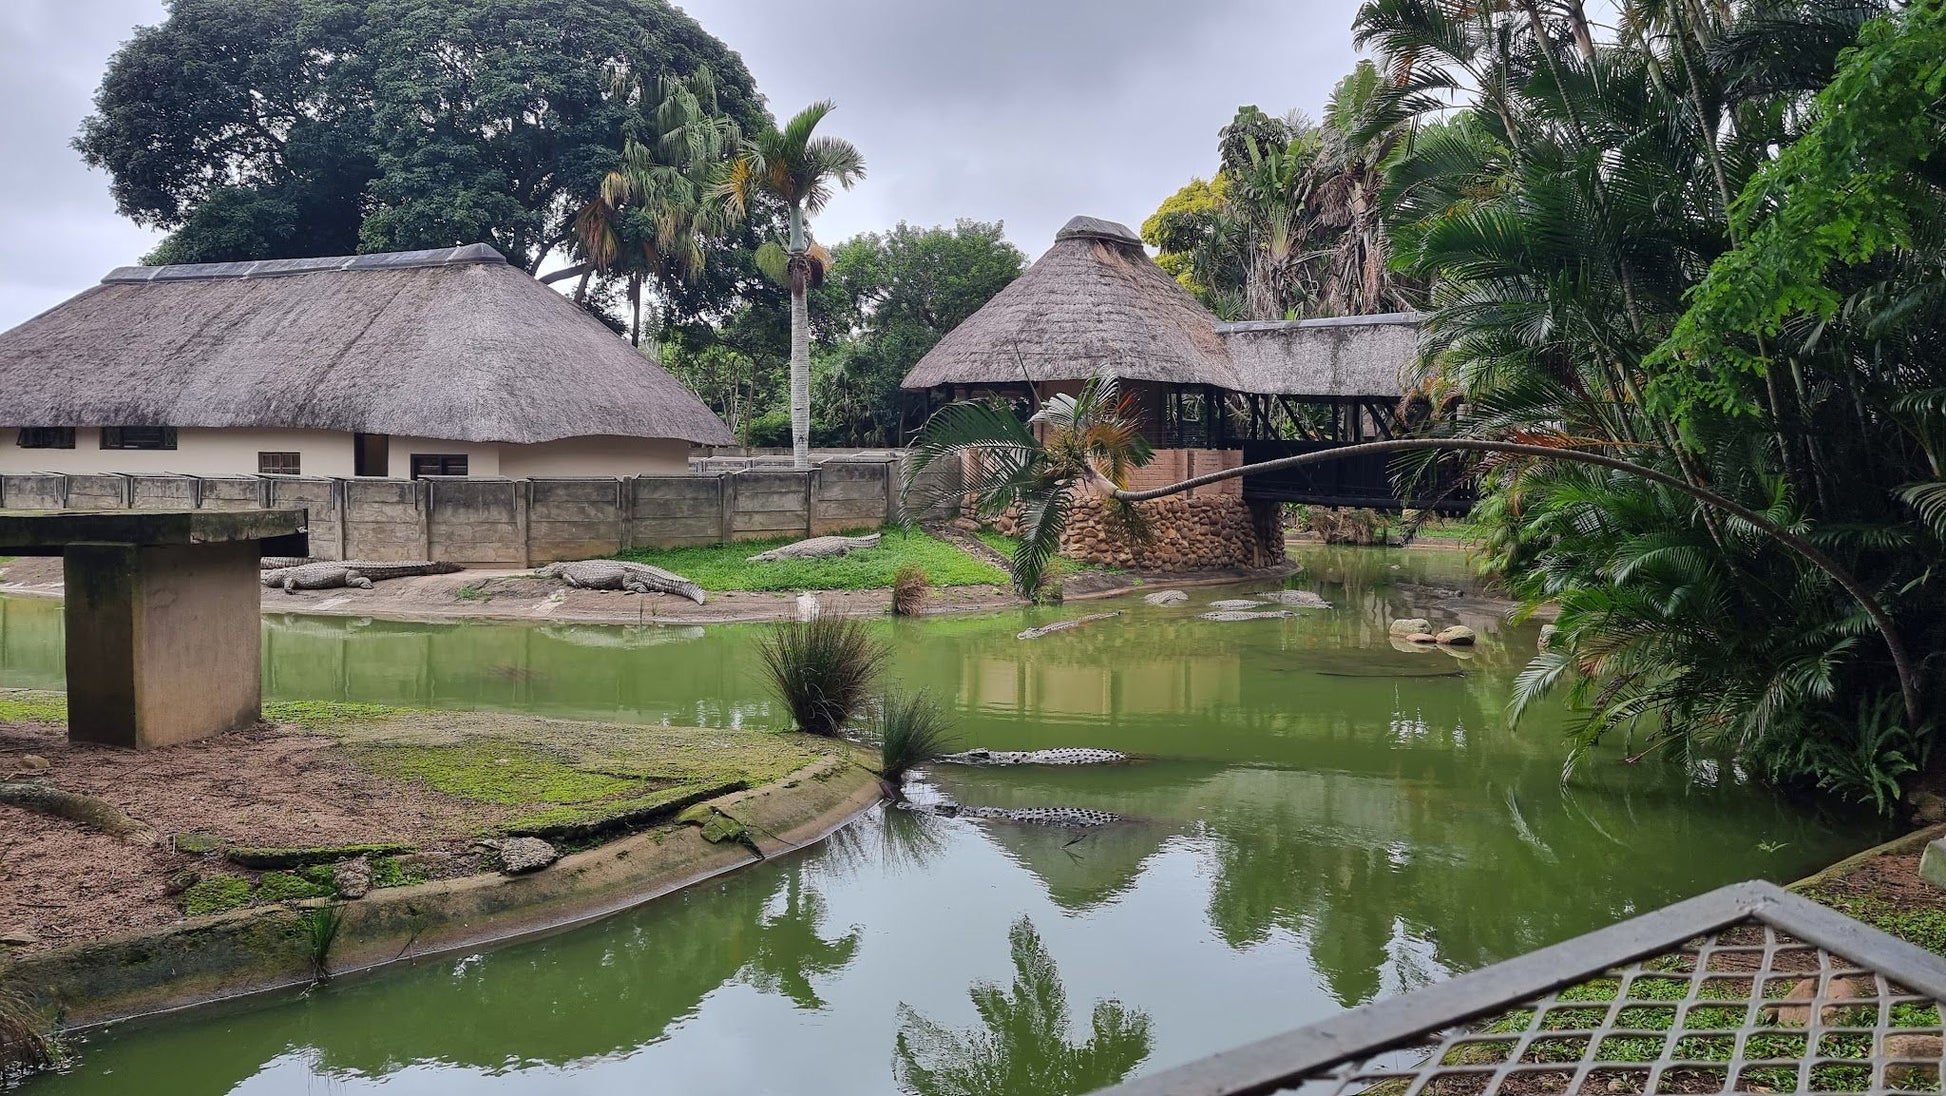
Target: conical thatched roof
1094,304
450,344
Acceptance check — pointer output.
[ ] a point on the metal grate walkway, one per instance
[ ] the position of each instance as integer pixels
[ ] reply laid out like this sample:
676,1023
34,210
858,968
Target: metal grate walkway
1745,989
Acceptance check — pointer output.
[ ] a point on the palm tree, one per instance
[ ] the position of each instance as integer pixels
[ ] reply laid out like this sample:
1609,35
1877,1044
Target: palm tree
1041,466
796,167
651,216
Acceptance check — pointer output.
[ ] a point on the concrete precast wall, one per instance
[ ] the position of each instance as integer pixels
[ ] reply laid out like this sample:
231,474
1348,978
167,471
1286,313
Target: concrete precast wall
485,521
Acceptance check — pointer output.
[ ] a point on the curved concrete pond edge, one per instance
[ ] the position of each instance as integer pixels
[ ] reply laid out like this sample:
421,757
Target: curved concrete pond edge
266,949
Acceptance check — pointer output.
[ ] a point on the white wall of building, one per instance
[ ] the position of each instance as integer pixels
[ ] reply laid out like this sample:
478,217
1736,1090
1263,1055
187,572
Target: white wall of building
595,456
207,452
198,452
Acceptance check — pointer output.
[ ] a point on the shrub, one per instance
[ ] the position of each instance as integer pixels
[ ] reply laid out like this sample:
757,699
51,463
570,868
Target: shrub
908,591
911,730
823,670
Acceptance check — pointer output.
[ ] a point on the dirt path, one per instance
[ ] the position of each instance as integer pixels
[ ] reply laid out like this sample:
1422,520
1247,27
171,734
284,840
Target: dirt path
518,595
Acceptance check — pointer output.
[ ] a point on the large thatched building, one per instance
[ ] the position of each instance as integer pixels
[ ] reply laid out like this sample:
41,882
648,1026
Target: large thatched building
1211,394
448,362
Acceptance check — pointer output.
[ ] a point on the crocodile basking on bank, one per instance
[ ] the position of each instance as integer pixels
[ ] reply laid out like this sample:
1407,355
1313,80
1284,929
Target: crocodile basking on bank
817,548
360,573
633,578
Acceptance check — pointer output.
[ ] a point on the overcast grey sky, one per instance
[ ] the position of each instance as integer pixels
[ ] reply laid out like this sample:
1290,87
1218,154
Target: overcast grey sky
1026,111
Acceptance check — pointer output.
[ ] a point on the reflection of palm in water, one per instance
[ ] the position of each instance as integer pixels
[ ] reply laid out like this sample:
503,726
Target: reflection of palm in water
791,948
1022,1047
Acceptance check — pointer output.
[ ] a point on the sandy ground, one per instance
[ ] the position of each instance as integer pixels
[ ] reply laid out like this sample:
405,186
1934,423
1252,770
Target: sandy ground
61,882
517,595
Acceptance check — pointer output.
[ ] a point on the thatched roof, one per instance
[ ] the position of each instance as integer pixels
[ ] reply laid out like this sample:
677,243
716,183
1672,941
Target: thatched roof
452,344
1094,304
1097,304
1343,356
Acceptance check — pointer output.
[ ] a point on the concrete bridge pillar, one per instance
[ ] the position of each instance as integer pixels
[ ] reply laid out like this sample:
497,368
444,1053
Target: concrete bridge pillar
161,616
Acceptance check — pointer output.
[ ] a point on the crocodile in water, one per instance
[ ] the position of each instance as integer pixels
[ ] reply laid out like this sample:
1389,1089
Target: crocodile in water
634,578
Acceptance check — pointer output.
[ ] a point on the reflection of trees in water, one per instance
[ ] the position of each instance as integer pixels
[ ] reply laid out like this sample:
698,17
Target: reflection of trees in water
791,947
888,839
1366,868
1021,1047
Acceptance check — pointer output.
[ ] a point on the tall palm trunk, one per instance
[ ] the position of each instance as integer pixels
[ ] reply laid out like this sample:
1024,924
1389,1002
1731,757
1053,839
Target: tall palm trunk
800,374
800,343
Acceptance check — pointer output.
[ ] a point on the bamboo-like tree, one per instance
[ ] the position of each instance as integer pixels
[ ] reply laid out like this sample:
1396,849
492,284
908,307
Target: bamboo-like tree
798,169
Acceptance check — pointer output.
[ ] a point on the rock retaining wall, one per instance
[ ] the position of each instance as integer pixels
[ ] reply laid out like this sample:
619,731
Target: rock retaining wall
1211,533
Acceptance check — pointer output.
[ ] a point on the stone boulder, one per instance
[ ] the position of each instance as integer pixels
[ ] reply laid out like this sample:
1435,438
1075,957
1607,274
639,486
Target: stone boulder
1546,640
353,878
1410,626
520,855
1423,638
1459,635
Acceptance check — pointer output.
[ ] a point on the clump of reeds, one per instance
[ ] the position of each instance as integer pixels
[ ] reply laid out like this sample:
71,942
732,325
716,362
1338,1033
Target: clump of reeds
912,729
320,925
908,591
824,670
26,1044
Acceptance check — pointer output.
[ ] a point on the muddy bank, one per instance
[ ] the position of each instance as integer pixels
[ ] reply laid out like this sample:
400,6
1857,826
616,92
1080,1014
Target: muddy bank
520,595
396,826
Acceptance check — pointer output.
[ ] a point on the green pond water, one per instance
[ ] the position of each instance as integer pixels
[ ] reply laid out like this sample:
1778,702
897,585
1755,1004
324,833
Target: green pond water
1323,820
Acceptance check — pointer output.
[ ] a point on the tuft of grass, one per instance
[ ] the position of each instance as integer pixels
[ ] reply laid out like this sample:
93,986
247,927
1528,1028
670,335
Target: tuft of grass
911,730
26,1044
823,670
33,706
721,567
908,591
321,925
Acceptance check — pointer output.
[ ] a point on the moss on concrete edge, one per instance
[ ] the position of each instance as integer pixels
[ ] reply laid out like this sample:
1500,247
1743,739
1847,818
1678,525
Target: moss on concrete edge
263,948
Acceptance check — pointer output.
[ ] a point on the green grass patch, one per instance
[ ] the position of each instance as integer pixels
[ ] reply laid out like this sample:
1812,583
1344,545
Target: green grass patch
1597,989
1629,1048
580,820
215,895
324,714
283,886
1924,927
33,706
727,567
325,855
1915,1015
390,871
494,771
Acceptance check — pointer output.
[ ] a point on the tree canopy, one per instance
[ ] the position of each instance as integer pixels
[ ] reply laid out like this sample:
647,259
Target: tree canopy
281,128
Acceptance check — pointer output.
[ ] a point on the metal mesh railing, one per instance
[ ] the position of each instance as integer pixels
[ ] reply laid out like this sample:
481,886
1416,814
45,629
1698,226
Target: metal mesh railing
1749,1009
1746,989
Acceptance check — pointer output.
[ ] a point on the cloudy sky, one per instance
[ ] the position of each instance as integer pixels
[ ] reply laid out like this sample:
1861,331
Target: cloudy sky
1025,111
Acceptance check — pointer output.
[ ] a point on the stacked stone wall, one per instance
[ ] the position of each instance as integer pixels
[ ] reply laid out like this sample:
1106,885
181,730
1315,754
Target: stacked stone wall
1212,533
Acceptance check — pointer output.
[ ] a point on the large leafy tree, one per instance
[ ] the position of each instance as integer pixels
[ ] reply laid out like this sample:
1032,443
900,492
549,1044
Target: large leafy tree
888,298
798,169
272,128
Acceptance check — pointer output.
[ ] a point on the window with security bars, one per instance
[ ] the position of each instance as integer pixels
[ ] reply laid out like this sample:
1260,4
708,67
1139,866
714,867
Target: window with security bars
138,437
279,464
45,437
438,464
